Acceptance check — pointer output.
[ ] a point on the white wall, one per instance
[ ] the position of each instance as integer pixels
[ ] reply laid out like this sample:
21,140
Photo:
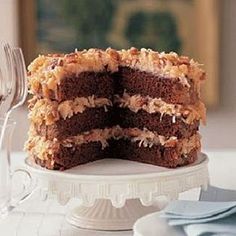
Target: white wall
228,54
9,21
220,131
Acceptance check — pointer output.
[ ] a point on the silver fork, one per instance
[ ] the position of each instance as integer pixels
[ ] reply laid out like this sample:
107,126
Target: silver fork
18,86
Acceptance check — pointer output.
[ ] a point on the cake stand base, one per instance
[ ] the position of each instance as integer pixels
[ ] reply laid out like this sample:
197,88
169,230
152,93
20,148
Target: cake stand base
114,193
103,216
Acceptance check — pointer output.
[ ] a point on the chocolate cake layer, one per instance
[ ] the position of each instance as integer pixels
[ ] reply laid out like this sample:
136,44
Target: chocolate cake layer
188,113
118,143
156,155
163,124
91,118
47,71
105,84
68,157
85,84
98,118
170,90
48,111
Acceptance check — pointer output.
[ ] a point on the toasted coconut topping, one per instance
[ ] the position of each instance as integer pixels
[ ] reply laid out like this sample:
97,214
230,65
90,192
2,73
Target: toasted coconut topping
44,149
48,111
189,113
46,72
41,147
165,64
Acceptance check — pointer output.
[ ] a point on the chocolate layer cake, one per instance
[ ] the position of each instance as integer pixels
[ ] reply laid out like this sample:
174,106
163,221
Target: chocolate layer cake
131,104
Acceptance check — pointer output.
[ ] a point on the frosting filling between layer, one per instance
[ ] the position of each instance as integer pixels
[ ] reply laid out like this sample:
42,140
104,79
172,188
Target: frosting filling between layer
44,149
189,113
48,111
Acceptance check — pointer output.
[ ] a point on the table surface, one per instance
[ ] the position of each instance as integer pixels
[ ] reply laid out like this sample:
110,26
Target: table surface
47,218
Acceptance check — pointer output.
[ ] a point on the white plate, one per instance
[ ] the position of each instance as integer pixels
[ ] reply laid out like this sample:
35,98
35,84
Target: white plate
153,225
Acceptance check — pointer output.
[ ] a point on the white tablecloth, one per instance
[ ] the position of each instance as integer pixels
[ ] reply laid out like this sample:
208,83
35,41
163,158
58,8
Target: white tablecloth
47,218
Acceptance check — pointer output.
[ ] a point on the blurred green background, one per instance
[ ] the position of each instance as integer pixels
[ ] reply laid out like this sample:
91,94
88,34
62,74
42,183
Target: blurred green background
96,23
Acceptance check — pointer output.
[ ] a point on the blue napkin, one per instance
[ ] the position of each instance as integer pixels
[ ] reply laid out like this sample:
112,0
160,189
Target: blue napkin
192,212
226,226
202,217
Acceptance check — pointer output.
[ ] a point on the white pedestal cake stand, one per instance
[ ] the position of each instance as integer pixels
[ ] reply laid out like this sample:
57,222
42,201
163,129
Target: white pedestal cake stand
115,193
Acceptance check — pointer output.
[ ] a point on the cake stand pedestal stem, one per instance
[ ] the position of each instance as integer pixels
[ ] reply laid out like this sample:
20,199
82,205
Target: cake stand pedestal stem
103,216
